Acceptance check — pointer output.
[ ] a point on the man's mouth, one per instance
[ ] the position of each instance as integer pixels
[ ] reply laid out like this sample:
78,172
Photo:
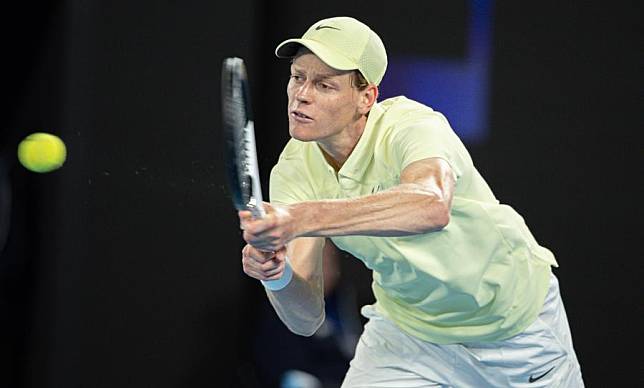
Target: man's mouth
299,116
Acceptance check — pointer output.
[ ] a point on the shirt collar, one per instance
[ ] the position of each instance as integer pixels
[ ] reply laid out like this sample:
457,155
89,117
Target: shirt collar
359,159
362,154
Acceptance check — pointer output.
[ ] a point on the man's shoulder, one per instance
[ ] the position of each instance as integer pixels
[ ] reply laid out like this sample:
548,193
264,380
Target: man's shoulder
294,149
293,158
399,114
291,177
402,106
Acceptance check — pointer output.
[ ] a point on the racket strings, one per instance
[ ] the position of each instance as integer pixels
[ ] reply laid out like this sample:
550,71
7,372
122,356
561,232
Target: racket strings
239,134
235,120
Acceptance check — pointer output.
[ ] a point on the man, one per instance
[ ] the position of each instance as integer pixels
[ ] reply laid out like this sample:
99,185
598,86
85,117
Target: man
465,296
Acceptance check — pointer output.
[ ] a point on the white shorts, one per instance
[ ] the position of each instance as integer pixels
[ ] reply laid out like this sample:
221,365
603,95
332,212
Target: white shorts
541,356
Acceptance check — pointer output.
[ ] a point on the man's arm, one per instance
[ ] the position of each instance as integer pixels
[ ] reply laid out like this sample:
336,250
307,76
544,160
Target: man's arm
300,305
421,203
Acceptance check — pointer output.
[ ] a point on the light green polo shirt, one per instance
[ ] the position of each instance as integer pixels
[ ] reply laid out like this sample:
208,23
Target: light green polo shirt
483,277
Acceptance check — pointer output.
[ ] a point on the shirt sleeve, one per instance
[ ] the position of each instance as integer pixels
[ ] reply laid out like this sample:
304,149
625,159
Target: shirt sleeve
428,137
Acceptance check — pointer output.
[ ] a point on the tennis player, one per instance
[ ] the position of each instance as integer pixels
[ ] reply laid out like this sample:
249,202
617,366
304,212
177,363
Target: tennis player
465,295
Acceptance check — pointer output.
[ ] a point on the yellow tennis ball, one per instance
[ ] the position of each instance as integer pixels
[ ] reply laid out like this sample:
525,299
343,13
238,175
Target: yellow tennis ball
42,152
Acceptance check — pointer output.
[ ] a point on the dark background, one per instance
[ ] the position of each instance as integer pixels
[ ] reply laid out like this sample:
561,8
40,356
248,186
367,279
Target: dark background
122,268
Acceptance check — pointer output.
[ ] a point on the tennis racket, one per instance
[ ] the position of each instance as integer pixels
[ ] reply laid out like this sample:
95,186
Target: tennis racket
239,138
240,153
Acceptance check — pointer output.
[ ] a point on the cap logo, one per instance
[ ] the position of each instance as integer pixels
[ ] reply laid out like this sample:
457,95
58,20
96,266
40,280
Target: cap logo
321,27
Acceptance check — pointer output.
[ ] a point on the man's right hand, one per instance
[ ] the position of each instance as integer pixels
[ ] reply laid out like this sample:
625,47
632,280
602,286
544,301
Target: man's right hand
263,265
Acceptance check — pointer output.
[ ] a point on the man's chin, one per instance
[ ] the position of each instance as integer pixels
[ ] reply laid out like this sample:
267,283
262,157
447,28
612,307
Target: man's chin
301,135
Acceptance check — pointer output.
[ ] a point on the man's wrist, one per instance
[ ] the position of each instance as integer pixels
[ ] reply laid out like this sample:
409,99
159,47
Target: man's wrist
278,284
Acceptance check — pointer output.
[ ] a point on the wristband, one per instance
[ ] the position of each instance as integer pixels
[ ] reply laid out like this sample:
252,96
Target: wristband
276,285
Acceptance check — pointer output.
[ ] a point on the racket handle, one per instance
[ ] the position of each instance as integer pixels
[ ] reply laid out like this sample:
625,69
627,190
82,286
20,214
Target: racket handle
276,285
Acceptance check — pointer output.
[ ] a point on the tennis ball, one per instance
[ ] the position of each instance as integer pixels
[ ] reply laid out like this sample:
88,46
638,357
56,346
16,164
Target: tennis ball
42,152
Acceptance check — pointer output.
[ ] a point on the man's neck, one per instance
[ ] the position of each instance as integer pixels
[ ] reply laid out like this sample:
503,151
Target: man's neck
337,150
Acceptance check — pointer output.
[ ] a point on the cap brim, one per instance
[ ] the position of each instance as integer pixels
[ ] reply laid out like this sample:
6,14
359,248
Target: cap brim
288,49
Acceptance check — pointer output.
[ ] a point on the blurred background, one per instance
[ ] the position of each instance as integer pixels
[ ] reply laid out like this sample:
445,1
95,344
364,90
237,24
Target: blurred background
122,268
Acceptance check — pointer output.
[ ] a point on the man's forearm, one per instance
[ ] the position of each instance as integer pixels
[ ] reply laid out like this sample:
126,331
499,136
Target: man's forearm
300,305
404,210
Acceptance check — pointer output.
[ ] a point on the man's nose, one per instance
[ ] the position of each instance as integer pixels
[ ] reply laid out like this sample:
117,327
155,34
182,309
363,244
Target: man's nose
303,93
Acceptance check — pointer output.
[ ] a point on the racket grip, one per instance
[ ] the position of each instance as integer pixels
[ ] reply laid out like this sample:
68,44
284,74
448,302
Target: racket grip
276,285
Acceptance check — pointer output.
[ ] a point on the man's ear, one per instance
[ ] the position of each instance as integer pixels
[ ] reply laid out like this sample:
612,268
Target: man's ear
368,97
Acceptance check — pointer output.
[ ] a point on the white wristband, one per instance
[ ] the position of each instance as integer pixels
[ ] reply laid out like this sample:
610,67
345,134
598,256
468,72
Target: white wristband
276,285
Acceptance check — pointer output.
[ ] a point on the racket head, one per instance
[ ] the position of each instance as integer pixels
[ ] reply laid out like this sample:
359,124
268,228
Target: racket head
238,135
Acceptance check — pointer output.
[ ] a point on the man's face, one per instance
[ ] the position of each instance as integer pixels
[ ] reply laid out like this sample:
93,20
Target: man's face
321,100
